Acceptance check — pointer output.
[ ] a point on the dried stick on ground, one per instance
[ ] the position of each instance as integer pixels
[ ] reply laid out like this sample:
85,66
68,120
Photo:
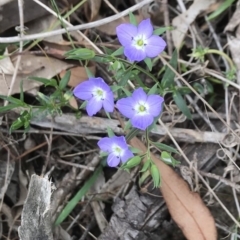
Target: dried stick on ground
36,216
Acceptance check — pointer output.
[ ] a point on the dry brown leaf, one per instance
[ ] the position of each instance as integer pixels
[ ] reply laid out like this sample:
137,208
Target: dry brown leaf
186,208
183,21
43,24
94,7
110,28
78,74
37,66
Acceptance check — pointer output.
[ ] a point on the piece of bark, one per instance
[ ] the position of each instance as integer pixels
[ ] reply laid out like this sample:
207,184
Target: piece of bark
129,219
36,215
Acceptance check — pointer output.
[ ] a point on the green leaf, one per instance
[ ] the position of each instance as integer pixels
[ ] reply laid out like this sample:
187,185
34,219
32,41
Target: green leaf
64,81
133,162
89,73
107,50
132,19
155,175
135,150
199,87
164,147
132,133
168,77
21,91
115,88
102,59
13,100
118,52
80,194
80,54
225,4
128,125
154,89
83,105
160,31
181,103
184,90
8,107
166,157
110,132
143,177
149,64
43,97
126,92
45,81
146,166
125,77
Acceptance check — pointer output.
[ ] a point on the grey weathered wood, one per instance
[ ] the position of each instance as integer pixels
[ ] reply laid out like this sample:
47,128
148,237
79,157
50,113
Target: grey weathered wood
36,214
9,13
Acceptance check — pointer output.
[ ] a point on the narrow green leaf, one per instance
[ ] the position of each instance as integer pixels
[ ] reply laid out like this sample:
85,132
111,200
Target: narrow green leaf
133,132
125,77
102,59
225,4
181,103
132,19
8,107
126,92
64,81
118,52
146,166
80,54
199,87
168,77
155,176
45,81
143,177
135,150
43,97
164,147
13,100
166,157
149,63
89,73
128,125
115,88
160,31
133,162
110,132
83,105
154,89
21,91
80,194
42,80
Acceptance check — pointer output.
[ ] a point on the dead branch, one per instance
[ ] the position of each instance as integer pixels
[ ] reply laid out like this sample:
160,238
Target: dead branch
36,216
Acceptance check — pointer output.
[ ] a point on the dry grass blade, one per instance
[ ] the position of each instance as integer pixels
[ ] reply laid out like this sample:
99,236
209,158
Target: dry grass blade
186,208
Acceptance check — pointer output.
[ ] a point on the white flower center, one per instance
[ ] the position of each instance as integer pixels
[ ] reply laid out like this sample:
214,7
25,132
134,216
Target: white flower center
117,151
141,108
99,93
139,42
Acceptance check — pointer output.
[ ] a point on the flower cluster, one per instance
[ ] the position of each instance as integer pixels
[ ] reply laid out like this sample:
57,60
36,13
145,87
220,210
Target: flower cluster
141,108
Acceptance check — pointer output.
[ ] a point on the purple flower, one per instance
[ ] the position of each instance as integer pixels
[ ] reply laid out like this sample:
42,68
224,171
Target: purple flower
97,94
140,108
139,41
117,148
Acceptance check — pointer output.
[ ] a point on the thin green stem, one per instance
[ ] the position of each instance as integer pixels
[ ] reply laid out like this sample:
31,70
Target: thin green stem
134,66
215,51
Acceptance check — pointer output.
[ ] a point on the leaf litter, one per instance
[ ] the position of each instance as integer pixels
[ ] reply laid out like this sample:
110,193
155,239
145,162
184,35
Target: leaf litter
192,215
